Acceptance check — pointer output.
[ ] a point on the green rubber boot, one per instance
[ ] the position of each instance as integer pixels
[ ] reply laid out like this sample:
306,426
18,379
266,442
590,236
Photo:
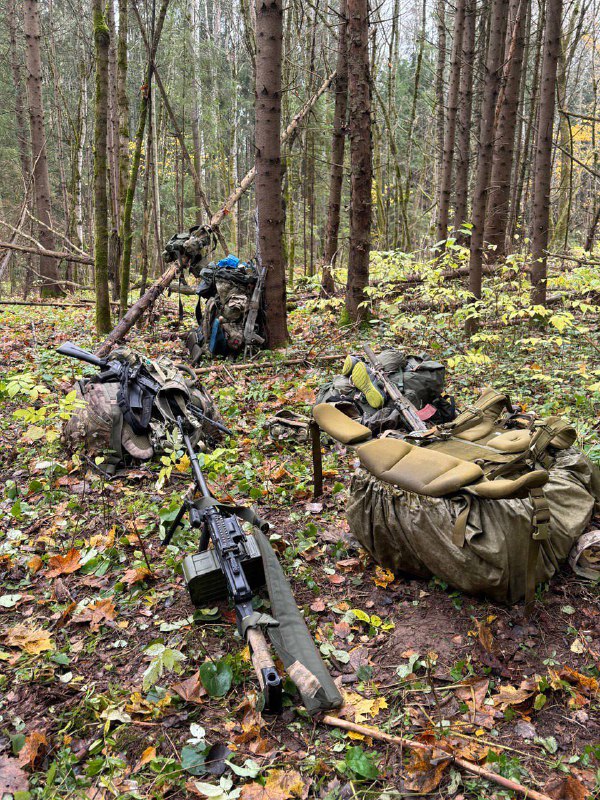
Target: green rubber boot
361,378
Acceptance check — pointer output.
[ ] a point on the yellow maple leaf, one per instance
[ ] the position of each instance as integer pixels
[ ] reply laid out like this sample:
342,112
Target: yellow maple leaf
280,785
32,640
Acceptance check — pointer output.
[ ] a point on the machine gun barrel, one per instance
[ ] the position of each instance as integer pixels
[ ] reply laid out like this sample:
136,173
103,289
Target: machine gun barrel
74,351
227,537
404,406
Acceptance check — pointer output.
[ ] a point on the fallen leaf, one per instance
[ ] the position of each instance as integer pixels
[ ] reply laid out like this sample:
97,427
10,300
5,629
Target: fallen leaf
32,640
34,749
64,565
148,755
280,785
342,630
34,564
566,788
336,579
95,613
383,577
588,685
191,689
511,696
358,708
425,772
474,692
137,575
12,777
318,606
484,634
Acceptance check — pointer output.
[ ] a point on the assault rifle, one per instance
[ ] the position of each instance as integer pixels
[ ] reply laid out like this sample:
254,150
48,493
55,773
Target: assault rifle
233,566
408,411
137,387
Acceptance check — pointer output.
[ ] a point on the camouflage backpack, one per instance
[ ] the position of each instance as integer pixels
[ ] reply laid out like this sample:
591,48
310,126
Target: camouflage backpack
111,424
232,290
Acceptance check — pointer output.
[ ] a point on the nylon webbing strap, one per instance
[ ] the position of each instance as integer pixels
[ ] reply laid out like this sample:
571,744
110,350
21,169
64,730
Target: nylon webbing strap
244,513
460,525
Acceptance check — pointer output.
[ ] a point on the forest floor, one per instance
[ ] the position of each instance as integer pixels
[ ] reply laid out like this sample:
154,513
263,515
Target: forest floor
87,589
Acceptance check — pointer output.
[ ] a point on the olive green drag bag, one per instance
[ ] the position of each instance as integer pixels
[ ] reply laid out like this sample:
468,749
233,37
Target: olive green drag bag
491,503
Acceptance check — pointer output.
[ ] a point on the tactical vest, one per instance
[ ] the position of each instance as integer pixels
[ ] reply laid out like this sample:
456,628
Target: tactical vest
128,421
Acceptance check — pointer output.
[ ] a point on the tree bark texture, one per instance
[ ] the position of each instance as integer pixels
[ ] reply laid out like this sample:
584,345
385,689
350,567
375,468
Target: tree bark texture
127,234
361,157
439,83
41,183
506,115
465,104
338,142
269,38
101,43
450,131
493,69
543,152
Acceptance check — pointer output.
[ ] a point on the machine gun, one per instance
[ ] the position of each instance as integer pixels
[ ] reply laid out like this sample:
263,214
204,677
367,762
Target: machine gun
408,411
137,388
233,566
191,249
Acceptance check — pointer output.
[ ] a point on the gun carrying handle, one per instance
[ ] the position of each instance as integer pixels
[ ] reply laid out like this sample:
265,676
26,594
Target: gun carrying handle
268,677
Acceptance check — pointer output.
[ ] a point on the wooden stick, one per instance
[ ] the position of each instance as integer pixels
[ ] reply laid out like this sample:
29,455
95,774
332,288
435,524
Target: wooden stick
475,769
78,304
137,309
41,251
266,364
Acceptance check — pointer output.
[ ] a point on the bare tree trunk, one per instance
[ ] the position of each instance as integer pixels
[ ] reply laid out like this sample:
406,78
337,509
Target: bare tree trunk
123,104
113,141
195,89
15,66
491,88
516,220
506,114
102,43
465,103
41,183
338,141
361,157
543,155
450,135
126,235
269,38
439,85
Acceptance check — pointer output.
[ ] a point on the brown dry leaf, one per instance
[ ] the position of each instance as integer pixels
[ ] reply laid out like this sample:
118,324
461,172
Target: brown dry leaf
280,785
34,749
511,696
342,630
383,577
32,640
318,606
425,772
148,755
566,788
34,564
191,689
12,777
95,613
474,692
64,565
336,579
484,634
348,564
587,685
133,576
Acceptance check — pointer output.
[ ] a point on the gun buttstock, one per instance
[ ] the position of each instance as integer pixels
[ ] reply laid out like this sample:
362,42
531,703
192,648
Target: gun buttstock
268,677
